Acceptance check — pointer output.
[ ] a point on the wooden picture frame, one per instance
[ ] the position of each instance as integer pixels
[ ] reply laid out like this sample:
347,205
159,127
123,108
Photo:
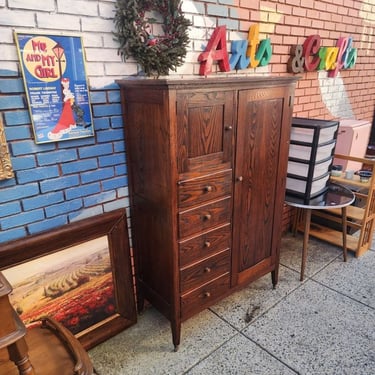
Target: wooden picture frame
6,170
67,241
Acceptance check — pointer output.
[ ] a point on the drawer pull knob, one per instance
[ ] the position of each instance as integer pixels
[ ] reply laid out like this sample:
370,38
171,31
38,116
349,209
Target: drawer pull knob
207,244
239,178
207,294
228,127
207,269
208,189
207,217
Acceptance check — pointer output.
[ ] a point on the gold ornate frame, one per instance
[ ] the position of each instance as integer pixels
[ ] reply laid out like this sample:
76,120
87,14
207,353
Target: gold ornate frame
6,170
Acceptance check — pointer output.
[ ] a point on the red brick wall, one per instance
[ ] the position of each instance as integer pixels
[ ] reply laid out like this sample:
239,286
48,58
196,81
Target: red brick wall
290,22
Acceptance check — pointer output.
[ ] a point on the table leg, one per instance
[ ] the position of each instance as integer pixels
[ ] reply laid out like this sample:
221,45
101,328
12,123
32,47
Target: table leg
305,241
295,221
344,229
18,353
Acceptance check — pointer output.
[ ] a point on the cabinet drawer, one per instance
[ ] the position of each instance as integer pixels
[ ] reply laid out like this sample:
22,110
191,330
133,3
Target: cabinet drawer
204,217
205,270
204,245
202,297
203,189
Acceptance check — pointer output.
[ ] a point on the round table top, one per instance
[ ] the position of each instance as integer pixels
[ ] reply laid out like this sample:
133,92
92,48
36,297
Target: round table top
336,196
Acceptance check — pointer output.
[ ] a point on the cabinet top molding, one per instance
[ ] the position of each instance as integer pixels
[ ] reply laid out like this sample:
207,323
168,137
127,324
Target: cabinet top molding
209,82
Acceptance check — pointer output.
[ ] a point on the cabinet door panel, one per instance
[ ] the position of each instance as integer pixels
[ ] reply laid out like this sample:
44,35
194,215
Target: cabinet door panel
205,130
259,165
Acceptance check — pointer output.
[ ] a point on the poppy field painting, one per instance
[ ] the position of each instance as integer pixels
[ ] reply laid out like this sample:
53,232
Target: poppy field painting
79,274
73,286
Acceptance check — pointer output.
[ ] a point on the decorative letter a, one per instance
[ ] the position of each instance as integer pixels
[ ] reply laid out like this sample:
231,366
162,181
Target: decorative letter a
216,50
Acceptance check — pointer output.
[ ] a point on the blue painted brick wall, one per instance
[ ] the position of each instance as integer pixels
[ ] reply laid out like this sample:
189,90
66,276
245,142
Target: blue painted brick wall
17,117
10,102
11,85
23,163
22,219
11,208
40,200
45,225
37,174
60,182
13,133
79,166
57,156
87,190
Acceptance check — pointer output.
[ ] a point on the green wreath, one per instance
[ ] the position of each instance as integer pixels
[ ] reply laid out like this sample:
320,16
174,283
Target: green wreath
156,54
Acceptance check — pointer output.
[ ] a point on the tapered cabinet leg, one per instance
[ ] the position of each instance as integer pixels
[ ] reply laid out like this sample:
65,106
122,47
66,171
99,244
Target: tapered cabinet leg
176,334
140,302
275,276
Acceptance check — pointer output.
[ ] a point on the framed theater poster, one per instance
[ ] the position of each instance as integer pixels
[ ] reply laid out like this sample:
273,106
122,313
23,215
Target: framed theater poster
53,68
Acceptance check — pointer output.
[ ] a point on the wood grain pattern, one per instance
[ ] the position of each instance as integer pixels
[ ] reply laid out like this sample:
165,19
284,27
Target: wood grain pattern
207,169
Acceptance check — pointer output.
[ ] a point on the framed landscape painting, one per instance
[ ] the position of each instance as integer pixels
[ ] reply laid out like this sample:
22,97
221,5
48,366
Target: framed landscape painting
84,282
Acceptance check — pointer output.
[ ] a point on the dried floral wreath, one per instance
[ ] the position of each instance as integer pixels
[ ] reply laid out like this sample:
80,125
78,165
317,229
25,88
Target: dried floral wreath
134,32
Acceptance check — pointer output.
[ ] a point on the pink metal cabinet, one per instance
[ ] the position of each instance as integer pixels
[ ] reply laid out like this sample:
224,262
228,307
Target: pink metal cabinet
352,140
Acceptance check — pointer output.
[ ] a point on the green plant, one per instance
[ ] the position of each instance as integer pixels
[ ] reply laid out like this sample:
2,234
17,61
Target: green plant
157,54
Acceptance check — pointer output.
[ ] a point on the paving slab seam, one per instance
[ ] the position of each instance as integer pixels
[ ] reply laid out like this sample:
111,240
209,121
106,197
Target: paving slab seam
211,352
239,331
270,353
247,338
264,312
308,277
343,294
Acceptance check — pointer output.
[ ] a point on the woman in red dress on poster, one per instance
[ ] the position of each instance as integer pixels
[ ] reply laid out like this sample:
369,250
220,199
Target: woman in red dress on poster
66,121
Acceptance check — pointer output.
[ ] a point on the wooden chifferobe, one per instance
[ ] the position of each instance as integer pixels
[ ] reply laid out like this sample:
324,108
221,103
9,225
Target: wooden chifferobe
207,160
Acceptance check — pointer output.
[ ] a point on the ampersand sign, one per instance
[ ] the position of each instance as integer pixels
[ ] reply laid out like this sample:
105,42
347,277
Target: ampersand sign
295,63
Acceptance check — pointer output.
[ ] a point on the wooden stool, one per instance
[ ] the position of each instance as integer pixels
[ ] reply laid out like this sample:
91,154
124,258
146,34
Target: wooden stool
46,349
